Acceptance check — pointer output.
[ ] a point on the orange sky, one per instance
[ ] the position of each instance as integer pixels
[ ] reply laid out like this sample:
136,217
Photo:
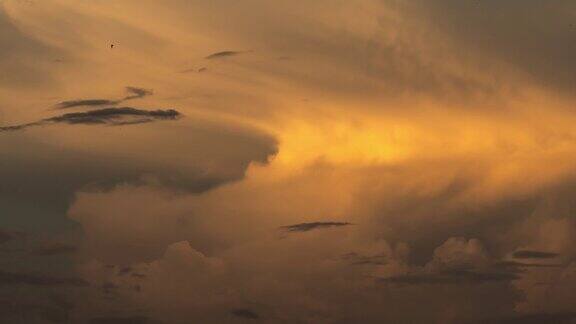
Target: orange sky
422,151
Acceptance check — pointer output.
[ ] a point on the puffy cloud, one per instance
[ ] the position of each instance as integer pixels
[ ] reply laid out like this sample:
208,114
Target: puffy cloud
240,231
459,254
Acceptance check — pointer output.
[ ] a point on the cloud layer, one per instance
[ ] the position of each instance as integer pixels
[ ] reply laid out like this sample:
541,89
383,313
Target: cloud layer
366,161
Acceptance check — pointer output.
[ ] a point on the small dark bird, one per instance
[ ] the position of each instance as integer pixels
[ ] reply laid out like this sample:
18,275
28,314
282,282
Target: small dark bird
111,46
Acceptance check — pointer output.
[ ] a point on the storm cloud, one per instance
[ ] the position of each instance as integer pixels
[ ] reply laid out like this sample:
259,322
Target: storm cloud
366,162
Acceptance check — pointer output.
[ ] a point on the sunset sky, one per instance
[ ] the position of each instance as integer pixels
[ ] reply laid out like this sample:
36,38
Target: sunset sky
287,161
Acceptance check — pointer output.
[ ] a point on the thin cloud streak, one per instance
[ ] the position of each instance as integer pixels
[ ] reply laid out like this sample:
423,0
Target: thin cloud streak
133,93
115,116
305,227
223,54
85,102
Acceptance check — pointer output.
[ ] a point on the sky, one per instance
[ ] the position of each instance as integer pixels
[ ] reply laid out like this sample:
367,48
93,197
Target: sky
287,161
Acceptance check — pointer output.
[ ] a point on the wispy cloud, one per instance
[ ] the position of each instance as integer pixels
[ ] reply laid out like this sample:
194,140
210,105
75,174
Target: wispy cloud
222,54
106,116
114,116
132,93
85,102
137,93
305,227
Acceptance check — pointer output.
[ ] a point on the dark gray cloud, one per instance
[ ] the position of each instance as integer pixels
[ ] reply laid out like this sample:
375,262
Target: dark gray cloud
222,54
245,313
85,102
451,277
12,278
19,127
114,116
106,116
528,254
50,181
305,227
